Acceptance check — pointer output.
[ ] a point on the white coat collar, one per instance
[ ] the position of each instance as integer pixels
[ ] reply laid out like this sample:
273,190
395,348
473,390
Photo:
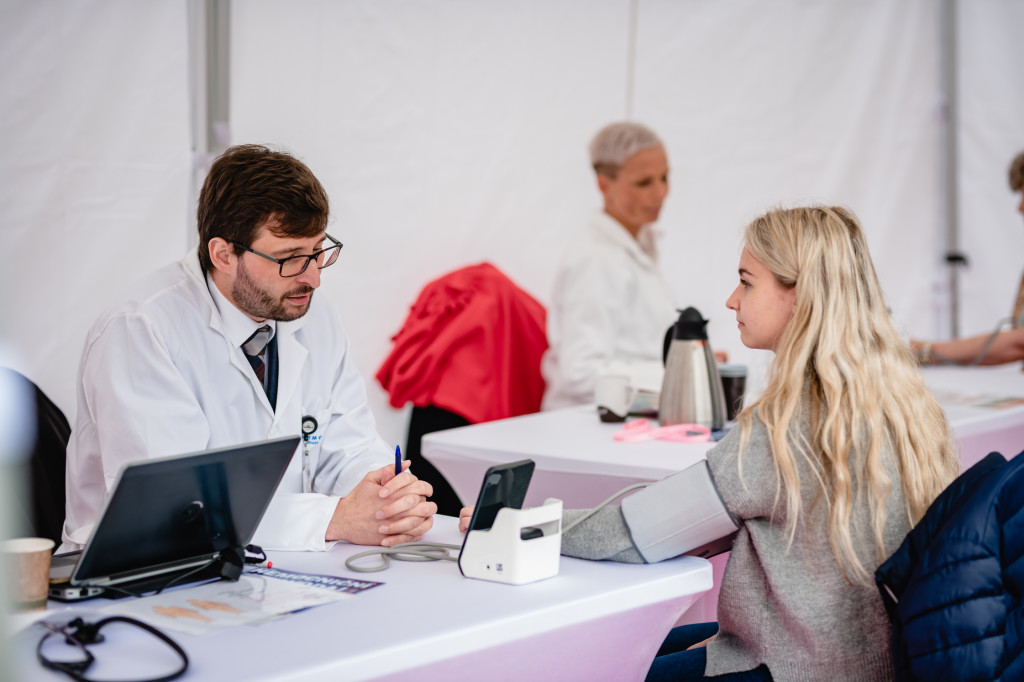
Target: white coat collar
238,326
643,248
291,353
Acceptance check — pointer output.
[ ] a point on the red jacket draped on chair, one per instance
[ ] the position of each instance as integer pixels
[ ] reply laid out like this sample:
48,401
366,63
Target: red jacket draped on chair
471,344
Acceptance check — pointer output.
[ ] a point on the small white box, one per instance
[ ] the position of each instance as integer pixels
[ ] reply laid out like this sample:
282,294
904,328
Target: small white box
522,546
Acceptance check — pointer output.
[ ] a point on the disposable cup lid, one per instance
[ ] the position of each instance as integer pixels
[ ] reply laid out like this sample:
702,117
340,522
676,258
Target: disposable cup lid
732,370
22,545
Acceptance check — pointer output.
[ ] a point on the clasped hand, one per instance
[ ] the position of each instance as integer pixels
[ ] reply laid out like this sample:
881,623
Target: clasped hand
384,509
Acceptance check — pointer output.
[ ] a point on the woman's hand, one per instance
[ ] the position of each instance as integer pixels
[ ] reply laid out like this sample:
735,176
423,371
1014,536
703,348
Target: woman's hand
465,515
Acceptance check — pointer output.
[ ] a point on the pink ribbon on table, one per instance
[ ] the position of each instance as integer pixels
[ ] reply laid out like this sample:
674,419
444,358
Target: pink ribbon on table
641,429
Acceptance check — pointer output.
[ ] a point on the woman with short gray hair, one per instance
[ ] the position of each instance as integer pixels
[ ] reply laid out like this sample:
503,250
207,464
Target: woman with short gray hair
611,304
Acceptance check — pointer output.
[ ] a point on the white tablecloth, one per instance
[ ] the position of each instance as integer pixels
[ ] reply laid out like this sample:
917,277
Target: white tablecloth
593,621
985,407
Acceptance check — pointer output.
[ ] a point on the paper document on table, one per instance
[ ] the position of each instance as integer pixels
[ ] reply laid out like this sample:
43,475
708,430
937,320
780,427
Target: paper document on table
330,582
954,399
252,600
1003,403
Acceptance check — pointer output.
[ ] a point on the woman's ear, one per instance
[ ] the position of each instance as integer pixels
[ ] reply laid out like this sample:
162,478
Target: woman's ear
222,254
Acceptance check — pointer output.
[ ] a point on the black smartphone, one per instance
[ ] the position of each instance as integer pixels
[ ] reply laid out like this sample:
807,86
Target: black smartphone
504,485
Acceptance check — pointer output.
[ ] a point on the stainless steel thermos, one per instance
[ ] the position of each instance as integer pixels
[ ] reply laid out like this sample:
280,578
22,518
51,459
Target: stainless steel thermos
691,391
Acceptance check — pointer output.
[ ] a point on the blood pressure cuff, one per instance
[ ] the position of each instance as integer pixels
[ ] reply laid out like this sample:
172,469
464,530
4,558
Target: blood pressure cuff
681,514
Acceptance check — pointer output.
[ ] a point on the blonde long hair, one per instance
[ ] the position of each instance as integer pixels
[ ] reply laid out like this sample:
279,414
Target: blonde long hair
843,372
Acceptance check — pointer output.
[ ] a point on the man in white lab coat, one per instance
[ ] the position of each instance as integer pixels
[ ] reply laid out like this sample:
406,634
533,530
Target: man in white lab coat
165,373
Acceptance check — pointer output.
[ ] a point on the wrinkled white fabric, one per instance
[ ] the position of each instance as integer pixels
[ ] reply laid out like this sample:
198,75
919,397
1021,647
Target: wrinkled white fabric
611,305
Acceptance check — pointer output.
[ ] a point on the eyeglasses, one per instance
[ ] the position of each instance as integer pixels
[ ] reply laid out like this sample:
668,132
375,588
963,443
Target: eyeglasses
293,266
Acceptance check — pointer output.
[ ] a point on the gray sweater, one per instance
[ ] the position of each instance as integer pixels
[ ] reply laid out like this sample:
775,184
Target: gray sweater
787,607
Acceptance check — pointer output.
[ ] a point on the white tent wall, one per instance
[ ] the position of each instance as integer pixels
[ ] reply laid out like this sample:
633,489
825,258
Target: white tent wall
94,173
445,133
991,130
482,111
449,132
829,102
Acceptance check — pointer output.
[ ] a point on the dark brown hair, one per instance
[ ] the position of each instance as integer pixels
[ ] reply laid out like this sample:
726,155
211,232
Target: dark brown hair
1017,173
249,184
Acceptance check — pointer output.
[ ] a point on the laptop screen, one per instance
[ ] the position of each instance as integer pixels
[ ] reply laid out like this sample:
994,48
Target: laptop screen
175,510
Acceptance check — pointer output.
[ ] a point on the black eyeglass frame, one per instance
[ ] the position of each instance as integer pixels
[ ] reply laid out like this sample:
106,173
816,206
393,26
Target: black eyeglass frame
309,259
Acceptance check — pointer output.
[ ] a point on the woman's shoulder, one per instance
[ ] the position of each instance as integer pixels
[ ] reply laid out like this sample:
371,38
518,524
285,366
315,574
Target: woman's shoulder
749,435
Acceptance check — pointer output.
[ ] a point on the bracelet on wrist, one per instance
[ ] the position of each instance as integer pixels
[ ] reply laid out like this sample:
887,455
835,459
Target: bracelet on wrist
924,354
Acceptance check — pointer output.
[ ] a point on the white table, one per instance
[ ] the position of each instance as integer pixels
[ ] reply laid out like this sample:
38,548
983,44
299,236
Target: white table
577,460
579,463
595,620
985,406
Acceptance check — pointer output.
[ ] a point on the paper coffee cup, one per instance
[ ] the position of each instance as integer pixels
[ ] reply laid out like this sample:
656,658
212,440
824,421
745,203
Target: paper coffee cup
27,570
614,394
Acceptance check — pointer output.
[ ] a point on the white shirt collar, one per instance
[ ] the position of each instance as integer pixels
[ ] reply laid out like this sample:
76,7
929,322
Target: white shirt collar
238,327
645,243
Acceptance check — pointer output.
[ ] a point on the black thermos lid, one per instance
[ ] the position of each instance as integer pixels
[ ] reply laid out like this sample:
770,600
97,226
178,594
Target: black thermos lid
690,326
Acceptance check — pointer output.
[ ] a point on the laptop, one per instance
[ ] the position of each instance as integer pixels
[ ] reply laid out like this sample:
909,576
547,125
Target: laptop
174,520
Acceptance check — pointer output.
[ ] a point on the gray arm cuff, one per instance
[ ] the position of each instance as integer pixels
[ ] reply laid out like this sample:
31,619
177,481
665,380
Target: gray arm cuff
681,514
603,536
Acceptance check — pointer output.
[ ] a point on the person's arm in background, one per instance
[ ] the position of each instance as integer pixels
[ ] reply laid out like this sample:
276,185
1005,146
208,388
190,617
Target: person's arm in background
1007,346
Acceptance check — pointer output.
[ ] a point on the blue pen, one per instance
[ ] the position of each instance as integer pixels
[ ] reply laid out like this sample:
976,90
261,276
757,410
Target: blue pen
398,460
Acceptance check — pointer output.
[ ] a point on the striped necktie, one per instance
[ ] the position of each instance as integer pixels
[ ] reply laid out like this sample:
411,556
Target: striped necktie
255,352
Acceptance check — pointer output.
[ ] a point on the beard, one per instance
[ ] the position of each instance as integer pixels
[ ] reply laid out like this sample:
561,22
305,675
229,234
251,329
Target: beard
258,303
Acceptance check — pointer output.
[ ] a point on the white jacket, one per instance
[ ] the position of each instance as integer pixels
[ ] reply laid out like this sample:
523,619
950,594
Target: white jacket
159,376
611,305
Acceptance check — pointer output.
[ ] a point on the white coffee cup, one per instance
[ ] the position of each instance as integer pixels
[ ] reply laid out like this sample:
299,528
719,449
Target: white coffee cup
614,395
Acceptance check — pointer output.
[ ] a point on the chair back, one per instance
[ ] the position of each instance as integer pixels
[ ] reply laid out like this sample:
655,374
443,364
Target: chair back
953,589
43,510
471,344
469,351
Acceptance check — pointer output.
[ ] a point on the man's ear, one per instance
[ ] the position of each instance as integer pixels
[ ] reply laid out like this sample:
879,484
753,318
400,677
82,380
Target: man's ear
222,254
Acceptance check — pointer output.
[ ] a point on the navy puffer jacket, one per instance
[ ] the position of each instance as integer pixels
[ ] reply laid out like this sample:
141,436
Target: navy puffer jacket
953,588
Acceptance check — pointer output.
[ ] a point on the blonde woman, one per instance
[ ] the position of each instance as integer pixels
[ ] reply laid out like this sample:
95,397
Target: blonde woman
823,475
